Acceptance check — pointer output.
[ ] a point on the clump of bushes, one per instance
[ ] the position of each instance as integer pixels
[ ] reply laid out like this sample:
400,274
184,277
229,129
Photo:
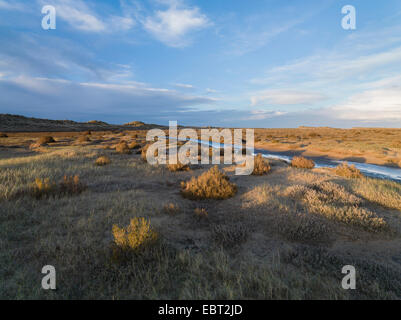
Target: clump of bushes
261,166
102,161
123,148
177,167
212,184
136,236
350,172
45,140
303,163
70,185
335,203
3,135
43,187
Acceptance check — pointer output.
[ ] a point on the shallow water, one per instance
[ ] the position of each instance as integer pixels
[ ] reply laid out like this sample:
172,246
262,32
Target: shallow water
371,170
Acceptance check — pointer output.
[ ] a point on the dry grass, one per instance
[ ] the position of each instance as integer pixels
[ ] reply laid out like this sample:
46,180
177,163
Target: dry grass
123,148
266,243
102,161
83,139
335,203
346,171
45,140
212,184
261,166
301,162
44,188
3,135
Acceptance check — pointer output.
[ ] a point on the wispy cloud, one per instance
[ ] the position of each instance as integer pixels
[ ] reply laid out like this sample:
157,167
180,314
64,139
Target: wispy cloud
171,26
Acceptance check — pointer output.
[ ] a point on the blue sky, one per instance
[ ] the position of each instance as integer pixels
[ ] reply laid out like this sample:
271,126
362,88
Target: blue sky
256,63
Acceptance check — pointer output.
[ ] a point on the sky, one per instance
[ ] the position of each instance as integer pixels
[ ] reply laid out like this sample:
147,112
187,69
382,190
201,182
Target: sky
231,63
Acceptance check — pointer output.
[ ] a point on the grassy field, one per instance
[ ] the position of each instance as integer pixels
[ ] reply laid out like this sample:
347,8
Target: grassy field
284,234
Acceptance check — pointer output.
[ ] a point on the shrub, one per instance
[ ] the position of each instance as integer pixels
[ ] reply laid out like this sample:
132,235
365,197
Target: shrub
82,139
3,135
301,162
212,184
201,213
123,148
171,208
71,185
45,140
87,133
136,236
351,172
102,161
261,166
43,187
178,167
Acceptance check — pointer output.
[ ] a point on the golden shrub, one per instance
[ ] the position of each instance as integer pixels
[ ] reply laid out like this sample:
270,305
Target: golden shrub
201,213
102,161
212,184
43,187
351,172
177,167
301,162
123,148
82,139
71,185
45,140
171,208
3,135
261,166
137,235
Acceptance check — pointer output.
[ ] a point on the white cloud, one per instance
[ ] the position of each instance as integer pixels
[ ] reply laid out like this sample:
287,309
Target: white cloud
173,25
371,105
286,97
